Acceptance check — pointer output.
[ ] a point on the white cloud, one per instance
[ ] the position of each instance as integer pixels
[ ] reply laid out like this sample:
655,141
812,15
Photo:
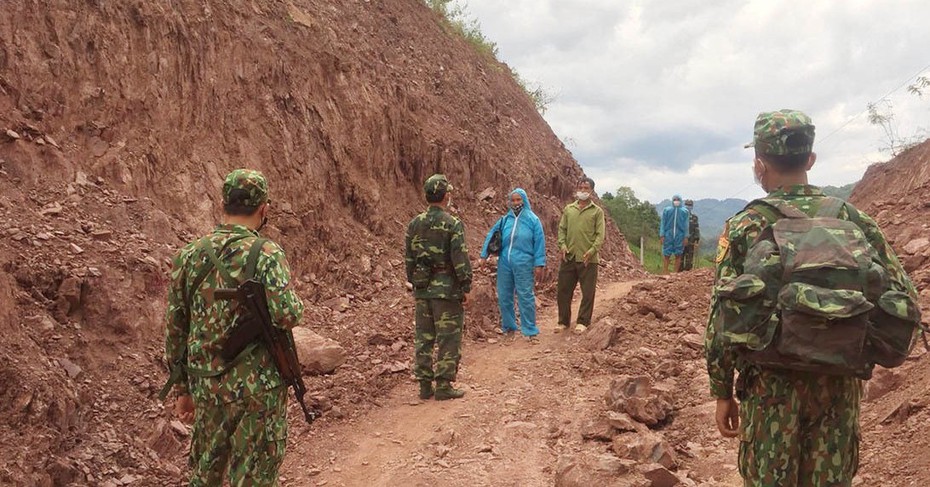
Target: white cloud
661,95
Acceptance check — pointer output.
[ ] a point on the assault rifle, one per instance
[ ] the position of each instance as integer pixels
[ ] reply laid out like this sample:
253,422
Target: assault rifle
256,324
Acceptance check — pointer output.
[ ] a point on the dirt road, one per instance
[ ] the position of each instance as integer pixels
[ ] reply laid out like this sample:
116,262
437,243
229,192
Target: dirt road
522,401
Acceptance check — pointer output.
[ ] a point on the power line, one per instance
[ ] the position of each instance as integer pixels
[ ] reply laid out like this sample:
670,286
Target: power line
854,117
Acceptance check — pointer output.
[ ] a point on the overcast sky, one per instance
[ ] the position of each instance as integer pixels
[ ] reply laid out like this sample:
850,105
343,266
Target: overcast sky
661,95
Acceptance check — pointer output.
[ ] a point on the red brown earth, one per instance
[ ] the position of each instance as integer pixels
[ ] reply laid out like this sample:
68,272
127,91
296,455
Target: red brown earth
896,446
118,121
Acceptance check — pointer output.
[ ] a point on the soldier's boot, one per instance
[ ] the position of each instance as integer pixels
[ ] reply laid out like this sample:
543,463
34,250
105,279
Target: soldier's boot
426,389
444,390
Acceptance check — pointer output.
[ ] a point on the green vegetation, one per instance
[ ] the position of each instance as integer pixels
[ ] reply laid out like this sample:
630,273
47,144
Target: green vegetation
641,219
461,23
634,217
458,20
653,257
841,192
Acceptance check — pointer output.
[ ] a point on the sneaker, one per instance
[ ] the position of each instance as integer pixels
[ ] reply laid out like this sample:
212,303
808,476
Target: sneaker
559,329
579,328
534,340
510,335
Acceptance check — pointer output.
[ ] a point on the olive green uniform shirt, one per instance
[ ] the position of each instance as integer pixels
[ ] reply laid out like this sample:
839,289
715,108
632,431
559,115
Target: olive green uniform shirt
581,231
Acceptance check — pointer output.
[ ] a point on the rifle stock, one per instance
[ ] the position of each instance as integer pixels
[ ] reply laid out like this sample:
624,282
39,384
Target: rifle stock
251,295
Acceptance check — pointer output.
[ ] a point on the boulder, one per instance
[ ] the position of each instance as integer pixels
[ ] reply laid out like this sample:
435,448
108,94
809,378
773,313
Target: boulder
637,397
659,476
917,246
601,336
623,423
318,355
598,429
611,465
568,473
645,447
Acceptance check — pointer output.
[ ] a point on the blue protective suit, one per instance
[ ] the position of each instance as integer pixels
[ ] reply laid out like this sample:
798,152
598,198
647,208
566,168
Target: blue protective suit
673,228
523,248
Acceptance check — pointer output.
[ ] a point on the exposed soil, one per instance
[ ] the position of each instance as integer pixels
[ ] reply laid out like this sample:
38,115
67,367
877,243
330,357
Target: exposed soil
526,412
896,447
118,121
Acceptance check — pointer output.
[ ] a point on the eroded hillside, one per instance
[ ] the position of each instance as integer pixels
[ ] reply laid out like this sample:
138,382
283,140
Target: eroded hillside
118,121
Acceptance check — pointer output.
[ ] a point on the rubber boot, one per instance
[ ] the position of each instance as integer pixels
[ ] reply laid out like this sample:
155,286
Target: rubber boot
444,390
426,389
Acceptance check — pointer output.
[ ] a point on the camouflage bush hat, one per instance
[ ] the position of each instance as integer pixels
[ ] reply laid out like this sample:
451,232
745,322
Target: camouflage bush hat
435,184
773,130
245,187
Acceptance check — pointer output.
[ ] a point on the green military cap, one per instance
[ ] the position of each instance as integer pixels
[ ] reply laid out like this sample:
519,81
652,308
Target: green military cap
782,133
437,183
245,187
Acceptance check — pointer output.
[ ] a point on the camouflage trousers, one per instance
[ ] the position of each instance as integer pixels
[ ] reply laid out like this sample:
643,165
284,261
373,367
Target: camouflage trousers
244,439
687,258
800,430
438,324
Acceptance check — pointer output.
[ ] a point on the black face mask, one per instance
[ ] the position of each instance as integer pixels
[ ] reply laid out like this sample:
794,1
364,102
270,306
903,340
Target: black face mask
517,208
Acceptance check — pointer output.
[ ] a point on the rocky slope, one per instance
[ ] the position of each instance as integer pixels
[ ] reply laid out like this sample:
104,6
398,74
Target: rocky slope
118,121
896,194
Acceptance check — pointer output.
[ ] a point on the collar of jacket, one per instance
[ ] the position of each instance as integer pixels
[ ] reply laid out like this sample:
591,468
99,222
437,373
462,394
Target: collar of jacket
797,190
235,229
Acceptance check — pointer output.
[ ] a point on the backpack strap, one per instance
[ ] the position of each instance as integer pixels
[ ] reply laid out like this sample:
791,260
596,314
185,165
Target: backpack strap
224,272
199,278
830,207
250,264
249,273
252,261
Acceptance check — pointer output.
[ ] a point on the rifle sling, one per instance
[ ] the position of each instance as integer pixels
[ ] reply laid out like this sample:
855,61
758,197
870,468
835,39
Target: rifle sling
251,264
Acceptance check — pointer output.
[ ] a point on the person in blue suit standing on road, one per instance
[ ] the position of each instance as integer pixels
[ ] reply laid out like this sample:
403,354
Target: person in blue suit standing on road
522,261
673,232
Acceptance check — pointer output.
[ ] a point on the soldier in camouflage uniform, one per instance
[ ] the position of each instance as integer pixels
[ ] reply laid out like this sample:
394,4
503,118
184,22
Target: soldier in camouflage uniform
440,272
796,428
238,407
694,239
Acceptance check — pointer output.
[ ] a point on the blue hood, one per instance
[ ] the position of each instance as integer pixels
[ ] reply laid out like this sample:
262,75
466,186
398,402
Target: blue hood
524,234
526,200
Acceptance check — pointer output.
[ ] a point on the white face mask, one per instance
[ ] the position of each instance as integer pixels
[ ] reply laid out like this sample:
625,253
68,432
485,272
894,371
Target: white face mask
582,195
676,203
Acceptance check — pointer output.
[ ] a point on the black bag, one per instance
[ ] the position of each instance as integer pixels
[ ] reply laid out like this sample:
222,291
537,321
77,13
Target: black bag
497,240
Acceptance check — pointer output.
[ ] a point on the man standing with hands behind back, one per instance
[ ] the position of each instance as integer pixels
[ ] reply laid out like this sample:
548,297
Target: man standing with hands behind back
581,235
440,274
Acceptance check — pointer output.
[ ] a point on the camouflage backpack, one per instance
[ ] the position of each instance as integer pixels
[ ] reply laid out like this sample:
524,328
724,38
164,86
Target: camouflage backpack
814,296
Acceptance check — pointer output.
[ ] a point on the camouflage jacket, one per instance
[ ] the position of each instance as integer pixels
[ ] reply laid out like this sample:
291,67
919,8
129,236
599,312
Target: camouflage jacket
436,239
738,235
197,324
694,229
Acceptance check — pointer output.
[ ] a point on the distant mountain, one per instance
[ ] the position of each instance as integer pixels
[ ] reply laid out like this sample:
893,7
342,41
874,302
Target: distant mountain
713,214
